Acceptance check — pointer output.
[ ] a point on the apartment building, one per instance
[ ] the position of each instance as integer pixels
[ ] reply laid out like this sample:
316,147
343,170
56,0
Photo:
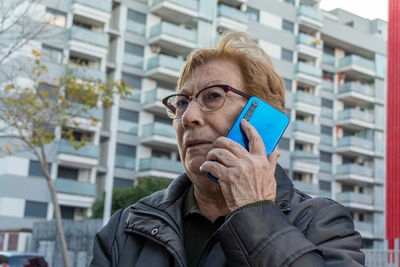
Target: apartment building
333,64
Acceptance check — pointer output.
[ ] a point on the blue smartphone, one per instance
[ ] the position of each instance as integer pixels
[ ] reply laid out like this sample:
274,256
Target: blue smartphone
268,121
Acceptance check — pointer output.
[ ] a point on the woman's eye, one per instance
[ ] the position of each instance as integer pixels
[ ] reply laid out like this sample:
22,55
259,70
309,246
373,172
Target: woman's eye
213,95
181,102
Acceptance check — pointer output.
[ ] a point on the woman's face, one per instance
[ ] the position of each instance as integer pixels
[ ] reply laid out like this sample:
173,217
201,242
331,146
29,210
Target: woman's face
196,130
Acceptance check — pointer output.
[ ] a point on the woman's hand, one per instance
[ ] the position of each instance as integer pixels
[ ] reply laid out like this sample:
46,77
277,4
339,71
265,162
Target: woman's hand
244,176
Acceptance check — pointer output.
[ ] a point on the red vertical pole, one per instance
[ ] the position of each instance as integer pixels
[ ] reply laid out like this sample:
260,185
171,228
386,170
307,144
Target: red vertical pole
393,125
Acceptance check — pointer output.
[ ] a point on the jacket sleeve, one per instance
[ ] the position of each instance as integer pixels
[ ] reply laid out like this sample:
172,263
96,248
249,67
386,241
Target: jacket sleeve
104,241
264,236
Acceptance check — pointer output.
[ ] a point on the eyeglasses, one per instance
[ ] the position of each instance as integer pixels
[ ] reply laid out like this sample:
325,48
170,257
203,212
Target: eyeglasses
209,99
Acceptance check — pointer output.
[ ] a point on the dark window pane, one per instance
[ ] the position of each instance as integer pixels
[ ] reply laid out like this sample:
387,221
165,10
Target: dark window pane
134,49
67,173
120,182
126,150
288,84
286,54
347,188
325,157
162,120
128,115
326,130
160,154
35,170
253,14
136,16
67,212
35,209
323,185
132,80
289,2
327,103
284,143
287,26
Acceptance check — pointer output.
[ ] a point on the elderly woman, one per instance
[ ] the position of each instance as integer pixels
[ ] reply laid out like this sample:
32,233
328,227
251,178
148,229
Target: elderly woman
253,216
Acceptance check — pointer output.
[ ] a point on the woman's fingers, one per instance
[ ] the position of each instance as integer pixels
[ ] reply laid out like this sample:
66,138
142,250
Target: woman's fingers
256,144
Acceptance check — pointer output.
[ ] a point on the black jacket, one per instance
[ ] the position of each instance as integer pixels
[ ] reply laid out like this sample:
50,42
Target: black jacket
297,230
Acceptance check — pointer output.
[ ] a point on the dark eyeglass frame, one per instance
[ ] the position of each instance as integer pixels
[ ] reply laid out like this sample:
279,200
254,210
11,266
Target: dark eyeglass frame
225,87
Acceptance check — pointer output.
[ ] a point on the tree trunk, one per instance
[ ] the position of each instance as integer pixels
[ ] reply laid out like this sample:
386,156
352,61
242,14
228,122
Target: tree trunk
59,226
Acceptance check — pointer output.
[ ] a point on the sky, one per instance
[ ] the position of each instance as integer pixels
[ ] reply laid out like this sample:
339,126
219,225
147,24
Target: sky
370,9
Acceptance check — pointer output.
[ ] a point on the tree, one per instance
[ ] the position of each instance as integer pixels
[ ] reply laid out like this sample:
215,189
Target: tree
37,110
123,197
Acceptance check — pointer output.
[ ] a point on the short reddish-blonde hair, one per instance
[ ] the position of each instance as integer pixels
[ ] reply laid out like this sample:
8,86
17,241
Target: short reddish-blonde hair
258,74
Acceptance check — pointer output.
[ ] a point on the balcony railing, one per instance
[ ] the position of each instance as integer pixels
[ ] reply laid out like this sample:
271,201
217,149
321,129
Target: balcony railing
306,127
310,12
364,227
346,197
128,127
356,142
309,40
306,187
357,60
125,161
136,27
165,61
356,87
134,60
85,73
356,114
161,164
174,30
157,94
88,36
232,13
89,150
104,5
157,128
328,59
326,139
308,98
327,85
308,69
325,166
191,4
327,112
355,169
75,187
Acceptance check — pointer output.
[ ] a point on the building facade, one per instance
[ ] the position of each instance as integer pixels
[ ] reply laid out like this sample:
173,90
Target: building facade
333,64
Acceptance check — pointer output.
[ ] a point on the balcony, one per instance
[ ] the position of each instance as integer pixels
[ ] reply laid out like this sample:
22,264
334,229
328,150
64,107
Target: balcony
355,119
89,150
327,85
355,146
366,229
103,5
231,18
135,27
85,73
159,135
355,200
128,127
327,112
356,93
88,36
306,131
328,59
153,98
310,17
309,46
177,11
325,166
326,140
133,60
159,167
126,162
357,68
306,187
164,68
173,38
73,187
308,73
355,173
305,161
307,102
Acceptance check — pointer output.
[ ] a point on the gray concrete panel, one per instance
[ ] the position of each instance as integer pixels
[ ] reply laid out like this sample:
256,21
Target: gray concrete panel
130,104
281,9
127,139
359,23
284,68
137,6
29,188
8,222
135,38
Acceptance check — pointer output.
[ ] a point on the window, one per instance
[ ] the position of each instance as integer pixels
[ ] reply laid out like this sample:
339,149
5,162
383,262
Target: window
253,14
55,17
288,84
126,150
160,154
287,55
67,173
327,103
326,130
162,120
53,54
325,157
35,209
128,115
134,49
323,185
120,182
67,212
136,16
284,143
289,2
51,89
287,26
35,170
132,80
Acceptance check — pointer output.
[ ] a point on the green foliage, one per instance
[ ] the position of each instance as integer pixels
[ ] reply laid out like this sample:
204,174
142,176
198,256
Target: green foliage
123,197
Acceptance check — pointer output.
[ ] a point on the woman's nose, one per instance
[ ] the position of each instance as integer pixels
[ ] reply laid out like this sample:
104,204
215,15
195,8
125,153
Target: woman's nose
193,115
